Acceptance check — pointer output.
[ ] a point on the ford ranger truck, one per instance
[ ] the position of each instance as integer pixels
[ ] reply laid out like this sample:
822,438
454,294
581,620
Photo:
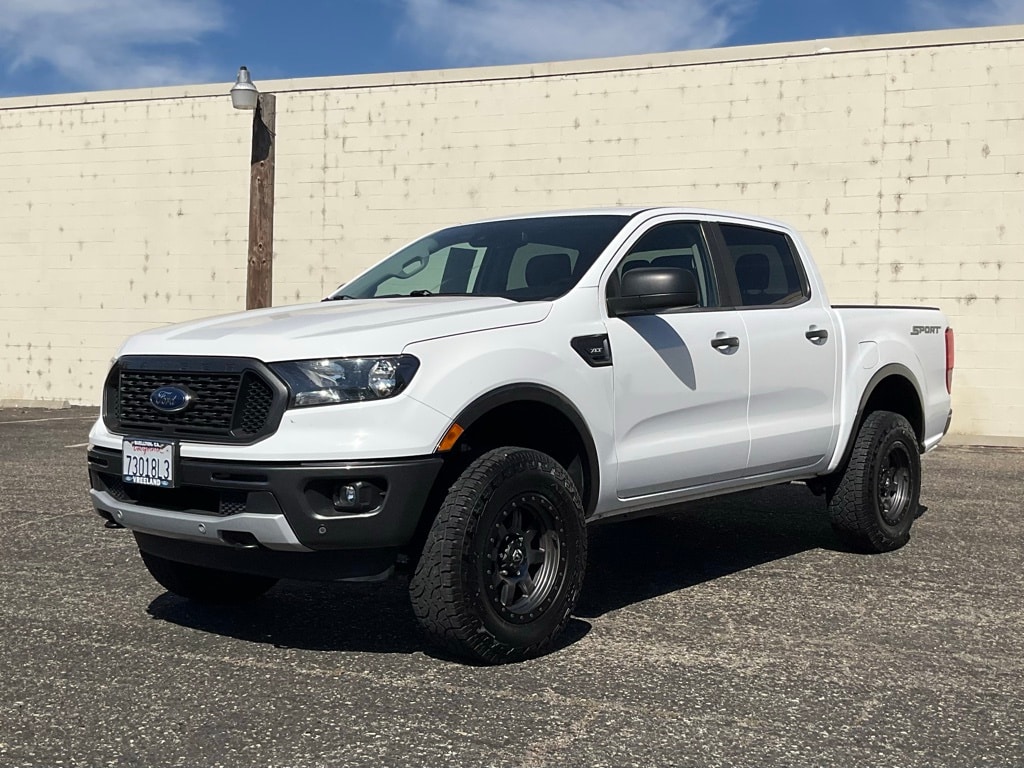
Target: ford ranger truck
464,409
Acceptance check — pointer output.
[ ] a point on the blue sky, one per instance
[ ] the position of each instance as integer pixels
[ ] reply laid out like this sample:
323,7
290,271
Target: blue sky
55,46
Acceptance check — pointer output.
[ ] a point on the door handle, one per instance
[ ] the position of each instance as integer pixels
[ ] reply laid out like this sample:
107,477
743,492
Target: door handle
817,335
726,343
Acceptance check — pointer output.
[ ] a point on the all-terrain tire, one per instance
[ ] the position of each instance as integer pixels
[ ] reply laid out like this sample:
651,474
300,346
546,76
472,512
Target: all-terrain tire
502,566
873,503
205,585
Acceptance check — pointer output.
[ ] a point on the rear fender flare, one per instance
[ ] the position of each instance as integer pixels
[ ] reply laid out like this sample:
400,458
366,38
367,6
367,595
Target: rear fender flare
886,371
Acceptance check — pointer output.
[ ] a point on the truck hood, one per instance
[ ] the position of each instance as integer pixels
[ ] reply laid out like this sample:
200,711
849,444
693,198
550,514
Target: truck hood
348,328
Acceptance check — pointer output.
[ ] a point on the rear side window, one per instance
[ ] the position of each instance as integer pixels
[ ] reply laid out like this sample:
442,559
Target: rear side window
767,270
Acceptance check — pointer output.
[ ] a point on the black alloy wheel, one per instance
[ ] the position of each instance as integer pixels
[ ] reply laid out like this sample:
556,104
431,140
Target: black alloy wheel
525,563
873,501
502,566
895,483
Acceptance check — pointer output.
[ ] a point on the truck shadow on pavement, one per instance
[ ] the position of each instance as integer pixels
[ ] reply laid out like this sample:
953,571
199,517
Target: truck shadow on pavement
633,561
355,617
629,562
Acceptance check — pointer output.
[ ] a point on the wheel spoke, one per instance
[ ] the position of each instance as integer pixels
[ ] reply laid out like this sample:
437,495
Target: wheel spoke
534,556
508,591
527,585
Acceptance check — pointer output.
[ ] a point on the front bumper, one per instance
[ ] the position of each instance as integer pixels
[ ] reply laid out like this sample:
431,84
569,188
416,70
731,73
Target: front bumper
275,506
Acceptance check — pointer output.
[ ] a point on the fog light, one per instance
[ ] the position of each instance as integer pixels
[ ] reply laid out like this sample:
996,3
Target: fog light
358,498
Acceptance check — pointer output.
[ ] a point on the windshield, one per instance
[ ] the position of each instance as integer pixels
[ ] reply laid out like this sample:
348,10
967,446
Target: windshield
519,259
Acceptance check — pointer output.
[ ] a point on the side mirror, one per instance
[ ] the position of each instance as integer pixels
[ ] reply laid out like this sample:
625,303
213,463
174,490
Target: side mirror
650,288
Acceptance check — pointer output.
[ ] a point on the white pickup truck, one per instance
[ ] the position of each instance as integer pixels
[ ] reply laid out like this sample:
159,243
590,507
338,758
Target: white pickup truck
463,409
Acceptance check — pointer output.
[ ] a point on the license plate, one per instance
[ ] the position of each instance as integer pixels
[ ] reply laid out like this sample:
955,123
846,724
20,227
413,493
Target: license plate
148,462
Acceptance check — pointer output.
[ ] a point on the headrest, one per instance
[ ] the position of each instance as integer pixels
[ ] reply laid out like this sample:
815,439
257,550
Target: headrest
548,269
680,261
752,271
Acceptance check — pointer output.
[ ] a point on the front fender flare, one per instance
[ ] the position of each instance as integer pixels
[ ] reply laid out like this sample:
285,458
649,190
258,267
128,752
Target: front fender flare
538,393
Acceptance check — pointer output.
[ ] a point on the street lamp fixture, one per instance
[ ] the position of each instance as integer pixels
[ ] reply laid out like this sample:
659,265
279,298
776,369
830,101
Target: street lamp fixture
244,94
260,261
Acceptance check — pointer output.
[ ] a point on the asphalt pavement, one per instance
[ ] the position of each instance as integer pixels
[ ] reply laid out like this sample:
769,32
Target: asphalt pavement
733,632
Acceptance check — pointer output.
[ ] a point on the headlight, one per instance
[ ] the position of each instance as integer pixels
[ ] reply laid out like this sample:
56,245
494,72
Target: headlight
345,379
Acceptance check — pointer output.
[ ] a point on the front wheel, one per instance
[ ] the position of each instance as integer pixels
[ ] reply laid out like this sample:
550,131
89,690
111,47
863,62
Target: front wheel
874,502
504,560
205,585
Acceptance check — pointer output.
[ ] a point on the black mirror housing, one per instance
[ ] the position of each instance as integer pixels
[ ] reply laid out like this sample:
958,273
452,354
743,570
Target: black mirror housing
651,288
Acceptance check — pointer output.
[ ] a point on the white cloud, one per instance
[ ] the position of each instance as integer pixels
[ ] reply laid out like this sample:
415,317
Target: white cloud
107,43
940,14
467,32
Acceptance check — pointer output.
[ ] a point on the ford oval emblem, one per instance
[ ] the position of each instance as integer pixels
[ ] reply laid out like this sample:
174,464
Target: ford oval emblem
171,399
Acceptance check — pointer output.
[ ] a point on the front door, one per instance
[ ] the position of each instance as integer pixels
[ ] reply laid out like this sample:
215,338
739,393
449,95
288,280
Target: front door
680,376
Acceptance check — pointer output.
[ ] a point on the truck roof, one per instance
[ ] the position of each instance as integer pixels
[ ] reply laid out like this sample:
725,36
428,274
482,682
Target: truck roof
651,210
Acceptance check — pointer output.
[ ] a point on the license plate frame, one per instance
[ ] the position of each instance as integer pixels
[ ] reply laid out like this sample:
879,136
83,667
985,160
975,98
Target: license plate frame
150,462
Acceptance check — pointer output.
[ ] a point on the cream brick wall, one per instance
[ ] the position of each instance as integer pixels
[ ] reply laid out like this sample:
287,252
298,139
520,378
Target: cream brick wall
114,217
900,158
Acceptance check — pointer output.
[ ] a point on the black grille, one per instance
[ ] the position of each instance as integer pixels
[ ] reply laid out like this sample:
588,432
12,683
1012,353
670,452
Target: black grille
115,487
254,404
232,399
211,410
232,503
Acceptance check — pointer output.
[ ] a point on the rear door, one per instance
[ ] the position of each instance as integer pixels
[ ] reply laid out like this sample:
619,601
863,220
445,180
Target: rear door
680,376
792,347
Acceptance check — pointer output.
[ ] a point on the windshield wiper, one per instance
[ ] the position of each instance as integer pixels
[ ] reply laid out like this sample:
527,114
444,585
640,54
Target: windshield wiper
415,294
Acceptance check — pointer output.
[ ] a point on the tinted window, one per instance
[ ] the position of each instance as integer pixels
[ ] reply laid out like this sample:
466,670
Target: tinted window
520,259
767,271
538,254
679,245
448,270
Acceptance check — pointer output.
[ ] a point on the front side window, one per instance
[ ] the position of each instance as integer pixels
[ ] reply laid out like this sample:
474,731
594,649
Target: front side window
534,259
677,244
767,271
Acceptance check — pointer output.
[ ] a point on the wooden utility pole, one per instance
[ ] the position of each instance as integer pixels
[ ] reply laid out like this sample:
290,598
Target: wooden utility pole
260,273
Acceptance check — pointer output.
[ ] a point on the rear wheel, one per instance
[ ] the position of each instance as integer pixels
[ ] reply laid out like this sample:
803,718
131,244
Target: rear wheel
874,502
502,566
205,585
